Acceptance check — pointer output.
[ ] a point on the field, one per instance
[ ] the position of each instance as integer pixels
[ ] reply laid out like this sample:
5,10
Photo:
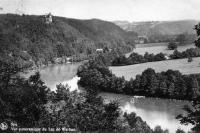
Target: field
157,48
182,65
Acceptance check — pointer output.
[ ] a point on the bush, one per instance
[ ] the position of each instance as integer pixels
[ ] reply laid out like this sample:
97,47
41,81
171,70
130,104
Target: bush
172,46
190,59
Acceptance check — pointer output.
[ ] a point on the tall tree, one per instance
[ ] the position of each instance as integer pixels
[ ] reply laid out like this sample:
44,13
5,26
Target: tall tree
197,42
21,100
193,115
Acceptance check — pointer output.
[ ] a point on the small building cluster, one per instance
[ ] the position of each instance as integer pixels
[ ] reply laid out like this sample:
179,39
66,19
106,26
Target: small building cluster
100,50
142,39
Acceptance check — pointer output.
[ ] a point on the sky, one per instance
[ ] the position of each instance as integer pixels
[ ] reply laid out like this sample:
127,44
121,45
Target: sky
110,10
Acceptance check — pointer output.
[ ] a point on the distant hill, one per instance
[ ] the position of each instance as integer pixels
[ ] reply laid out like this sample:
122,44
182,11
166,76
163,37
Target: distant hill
31,37
159,27
162,31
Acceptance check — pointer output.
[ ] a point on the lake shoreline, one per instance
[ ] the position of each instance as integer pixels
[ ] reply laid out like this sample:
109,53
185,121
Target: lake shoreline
162,107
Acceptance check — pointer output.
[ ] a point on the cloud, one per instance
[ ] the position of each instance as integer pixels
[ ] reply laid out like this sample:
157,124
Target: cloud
132,10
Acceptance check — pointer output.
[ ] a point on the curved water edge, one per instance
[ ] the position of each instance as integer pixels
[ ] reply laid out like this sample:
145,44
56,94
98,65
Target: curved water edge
59,73
154,111
72,83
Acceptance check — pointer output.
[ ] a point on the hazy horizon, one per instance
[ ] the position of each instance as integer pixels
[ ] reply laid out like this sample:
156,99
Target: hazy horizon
109,10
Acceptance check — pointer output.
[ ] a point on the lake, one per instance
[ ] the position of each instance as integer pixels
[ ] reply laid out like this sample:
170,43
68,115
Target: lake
53,75
153,111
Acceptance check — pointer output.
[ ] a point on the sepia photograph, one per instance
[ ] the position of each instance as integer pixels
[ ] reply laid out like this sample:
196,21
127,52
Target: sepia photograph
99,66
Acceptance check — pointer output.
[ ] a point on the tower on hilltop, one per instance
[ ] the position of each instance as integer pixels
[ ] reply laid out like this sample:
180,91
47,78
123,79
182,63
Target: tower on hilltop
48,18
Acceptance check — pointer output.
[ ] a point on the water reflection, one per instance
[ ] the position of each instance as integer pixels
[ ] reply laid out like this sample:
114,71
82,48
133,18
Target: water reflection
59,73
154,111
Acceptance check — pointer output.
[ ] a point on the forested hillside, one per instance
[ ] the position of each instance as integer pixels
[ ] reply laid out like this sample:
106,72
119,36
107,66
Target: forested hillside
162,27
31,39
160,30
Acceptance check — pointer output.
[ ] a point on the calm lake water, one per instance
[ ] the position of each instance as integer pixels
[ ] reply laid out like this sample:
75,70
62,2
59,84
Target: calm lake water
60,73
153,111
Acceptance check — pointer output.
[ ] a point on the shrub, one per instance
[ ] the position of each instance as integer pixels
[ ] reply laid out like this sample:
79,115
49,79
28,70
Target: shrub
172,46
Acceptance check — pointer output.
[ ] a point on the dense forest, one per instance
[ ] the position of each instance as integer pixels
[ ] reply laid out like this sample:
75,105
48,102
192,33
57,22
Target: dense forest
31,39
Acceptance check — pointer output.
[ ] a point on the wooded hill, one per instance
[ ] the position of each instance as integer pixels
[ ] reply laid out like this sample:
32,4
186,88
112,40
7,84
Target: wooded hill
160,30
31,38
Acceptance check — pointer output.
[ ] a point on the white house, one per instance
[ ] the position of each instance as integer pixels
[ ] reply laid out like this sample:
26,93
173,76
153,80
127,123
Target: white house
100,50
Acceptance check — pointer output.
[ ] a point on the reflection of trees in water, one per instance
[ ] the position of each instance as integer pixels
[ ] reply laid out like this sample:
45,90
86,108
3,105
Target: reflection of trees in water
55,74
173,107
154,111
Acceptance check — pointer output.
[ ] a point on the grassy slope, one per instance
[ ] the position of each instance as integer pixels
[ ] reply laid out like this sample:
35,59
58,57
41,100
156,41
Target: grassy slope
180,64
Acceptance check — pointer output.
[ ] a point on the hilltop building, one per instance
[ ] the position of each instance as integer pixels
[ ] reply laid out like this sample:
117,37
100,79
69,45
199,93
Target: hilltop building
48,18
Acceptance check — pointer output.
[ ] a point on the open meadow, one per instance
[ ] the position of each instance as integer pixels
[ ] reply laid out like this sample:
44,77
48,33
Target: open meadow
156,48
182,65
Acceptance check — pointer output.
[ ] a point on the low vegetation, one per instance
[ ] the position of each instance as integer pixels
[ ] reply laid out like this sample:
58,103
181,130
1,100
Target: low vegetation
192,52
135,58
172,46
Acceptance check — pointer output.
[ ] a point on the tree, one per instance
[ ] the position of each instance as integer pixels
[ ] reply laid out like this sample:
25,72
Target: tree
195,88
82,111
162,89
190,59
60,50
197,42
181,38
137,124
179,131
176,54
159,57
88,51
172,46
105,49
158,129
22,99
149,82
